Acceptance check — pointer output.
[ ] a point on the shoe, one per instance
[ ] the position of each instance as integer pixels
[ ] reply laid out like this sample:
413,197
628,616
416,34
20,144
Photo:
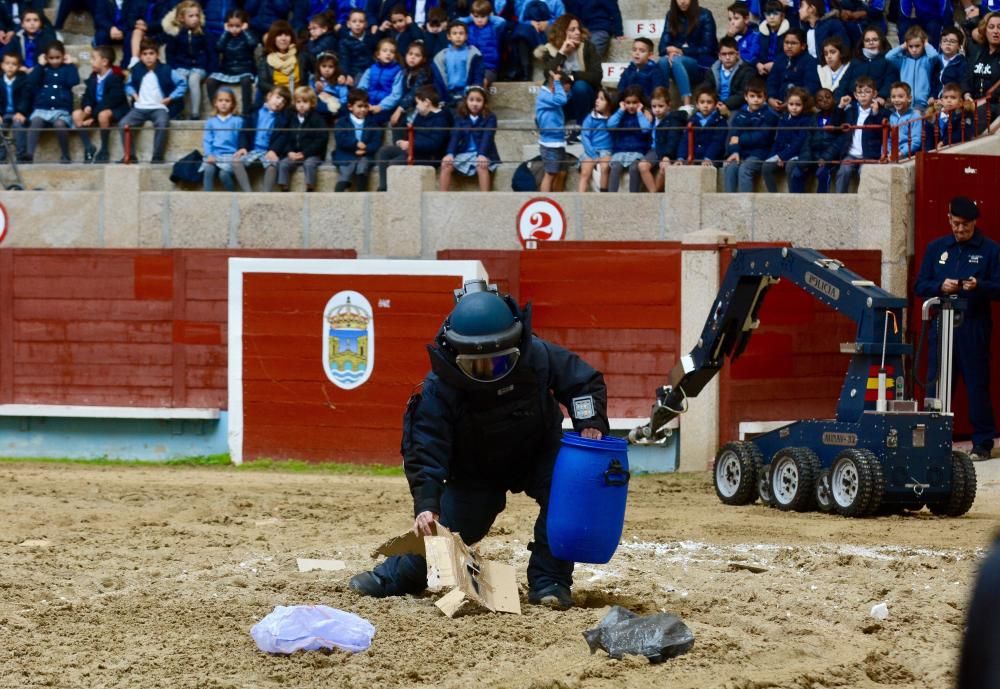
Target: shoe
981,454
88,154
689,109
554,596
127,161
26,159
368,584
102,156
156,160
341,186
65,160
574,135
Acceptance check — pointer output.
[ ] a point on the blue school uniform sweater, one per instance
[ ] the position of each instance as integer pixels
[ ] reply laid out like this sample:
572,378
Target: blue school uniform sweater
698,41
478,135
487,39
632,135
549,117
798,71
709,137
52,87
790,139
915,71
221,137
908,131
648,77
941,74
594,135
384,84
754,131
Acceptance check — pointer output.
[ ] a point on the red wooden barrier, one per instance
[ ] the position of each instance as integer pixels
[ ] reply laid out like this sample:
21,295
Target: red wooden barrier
617,304
117,327
792,368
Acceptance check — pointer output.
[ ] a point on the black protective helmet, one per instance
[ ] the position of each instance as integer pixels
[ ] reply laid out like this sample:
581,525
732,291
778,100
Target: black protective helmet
484,332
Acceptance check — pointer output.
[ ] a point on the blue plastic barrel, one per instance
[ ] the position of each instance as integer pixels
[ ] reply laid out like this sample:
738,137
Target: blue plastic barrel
587,501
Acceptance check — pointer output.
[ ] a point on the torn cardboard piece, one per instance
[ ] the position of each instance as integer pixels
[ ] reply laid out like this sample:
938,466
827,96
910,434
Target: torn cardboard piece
451,564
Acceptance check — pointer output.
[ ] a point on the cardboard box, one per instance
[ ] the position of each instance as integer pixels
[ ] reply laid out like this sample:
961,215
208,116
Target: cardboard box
451,564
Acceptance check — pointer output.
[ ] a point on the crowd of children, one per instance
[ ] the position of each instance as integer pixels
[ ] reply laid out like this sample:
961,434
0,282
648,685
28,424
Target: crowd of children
801,89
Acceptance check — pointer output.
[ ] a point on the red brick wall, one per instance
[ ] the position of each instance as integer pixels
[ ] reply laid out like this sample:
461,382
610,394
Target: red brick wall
117,327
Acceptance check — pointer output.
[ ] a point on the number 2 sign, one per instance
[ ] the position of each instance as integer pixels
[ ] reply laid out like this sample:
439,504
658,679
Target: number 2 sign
540,220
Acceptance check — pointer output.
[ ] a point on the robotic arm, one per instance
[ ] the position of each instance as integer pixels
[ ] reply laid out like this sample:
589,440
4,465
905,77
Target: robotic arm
734,318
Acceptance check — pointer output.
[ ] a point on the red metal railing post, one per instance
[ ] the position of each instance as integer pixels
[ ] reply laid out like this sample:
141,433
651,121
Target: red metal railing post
127,144
690,135
409,143
885,139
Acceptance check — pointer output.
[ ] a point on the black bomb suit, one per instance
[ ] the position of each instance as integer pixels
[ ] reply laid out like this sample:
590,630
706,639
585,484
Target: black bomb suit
466,443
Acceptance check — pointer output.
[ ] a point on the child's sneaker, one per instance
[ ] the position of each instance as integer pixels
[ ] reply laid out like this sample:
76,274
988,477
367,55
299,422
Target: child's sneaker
687,109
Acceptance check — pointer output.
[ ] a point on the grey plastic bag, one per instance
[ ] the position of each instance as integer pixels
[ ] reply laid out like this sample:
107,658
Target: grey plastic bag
291,628
658,637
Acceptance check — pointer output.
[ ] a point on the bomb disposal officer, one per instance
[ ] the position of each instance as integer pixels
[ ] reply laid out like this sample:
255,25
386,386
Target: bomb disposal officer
488,421
966,264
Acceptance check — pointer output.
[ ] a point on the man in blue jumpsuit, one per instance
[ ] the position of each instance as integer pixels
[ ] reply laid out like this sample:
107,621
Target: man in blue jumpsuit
966,265
486,422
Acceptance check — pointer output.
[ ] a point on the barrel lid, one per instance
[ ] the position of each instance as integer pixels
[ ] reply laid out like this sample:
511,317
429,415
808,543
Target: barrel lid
607,442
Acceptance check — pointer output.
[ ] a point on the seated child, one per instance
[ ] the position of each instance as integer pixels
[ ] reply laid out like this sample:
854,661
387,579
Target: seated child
821,148
869,61
322,39
796,68
950,121
51,86
907,124
862,144
431,124
30,42
236,62
472,148
667,130
641,71
416,74
743,31
751,133
157,94
384,83
486,31
357,47
434,33
835,70
221,140
303,142
915,59
596,140
458,66
949,66
709,131
772,37
357,138
629,127
729,77
188,49
400,28
104,103
15,104
257,143
330,86
790,137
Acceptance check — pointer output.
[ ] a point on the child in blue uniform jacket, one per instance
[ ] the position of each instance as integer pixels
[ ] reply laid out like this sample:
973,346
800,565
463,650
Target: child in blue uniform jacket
551,123
630,135
486,31
52,85
221,140
790,137
596,140
709,131
472,148
384,83
797,68
751,133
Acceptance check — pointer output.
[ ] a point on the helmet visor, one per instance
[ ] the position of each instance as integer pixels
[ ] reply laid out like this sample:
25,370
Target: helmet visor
487,368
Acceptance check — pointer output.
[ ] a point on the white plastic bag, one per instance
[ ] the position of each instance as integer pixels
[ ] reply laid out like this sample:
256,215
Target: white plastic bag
291,628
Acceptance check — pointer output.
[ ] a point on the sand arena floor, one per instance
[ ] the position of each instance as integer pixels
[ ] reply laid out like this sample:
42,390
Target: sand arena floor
152,577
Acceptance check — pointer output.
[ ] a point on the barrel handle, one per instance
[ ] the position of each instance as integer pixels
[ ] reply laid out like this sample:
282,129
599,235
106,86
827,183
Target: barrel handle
616,475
